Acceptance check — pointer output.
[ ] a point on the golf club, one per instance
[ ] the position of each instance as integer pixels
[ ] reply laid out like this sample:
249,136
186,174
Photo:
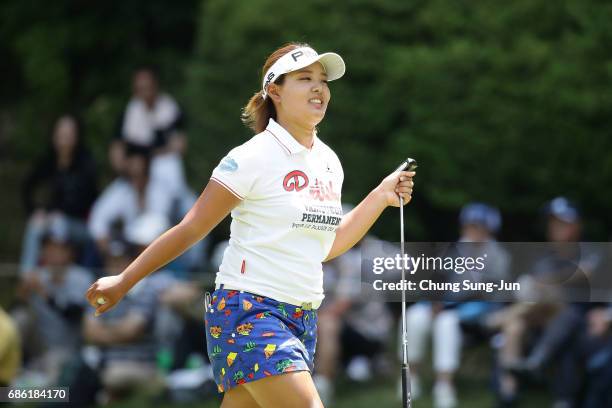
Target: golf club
407,165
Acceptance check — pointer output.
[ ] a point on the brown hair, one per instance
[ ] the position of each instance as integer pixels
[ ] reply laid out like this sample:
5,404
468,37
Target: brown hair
258,110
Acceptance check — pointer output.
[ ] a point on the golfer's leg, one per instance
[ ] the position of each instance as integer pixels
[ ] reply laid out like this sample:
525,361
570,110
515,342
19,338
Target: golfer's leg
295,390
238,397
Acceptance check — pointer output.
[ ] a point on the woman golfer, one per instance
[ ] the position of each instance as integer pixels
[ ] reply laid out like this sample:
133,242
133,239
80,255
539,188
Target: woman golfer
282,188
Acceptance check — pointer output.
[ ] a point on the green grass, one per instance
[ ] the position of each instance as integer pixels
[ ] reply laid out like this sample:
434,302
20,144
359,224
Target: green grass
473,393
473,384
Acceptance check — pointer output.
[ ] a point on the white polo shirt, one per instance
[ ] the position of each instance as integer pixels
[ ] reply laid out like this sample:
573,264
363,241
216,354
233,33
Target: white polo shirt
285,225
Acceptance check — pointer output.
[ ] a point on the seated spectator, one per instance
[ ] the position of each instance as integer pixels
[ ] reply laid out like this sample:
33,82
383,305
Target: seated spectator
138,193
562,271
583,376
62,184
594,356
10,350
353,326
52,307
179,302
479,223
124,338
125,198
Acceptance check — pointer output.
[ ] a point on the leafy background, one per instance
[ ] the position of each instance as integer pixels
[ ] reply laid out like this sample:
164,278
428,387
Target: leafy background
507,103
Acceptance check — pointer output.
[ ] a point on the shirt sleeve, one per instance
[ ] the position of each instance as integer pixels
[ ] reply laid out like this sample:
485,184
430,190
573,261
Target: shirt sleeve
238,171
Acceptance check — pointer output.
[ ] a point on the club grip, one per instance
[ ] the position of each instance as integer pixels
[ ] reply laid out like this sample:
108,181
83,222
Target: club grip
406,392
408,165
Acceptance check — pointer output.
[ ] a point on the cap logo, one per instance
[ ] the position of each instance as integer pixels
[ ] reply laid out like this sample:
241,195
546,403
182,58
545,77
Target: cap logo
296,55
299,58
269,78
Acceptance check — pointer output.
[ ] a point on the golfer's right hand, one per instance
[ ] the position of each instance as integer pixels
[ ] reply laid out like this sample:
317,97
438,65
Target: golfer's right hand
111,289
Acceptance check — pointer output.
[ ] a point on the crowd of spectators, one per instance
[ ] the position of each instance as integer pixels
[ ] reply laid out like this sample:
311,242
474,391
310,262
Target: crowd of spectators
153,341
77,232
549,333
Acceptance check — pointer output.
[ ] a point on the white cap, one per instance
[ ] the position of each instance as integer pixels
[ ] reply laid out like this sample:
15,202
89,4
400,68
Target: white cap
333,64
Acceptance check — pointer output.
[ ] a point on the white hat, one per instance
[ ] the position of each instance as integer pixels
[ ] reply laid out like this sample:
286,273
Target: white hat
146,228
333,64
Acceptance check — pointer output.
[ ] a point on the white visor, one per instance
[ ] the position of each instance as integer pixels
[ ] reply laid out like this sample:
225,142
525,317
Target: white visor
333,64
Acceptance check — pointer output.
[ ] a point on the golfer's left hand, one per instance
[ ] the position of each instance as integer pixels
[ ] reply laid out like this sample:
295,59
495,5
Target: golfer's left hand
395,184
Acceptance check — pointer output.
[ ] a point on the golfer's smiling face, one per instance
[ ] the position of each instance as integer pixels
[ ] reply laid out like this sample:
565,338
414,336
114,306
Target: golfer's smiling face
304,95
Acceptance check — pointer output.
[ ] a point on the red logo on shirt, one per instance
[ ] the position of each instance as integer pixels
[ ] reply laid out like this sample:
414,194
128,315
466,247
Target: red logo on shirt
295,180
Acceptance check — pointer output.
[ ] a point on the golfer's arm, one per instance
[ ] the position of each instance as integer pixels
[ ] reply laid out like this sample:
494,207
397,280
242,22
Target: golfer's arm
210,209
357,223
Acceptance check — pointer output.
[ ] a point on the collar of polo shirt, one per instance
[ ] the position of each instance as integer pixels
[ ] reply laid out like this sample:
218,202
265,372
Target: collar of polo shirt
333,64
288,142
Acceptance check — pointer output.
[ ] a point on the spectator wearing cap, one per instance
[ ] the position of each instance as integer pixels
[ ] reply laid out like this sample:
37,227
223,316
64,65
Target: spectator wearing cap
563,271
479,223
61,184
52,307
564,222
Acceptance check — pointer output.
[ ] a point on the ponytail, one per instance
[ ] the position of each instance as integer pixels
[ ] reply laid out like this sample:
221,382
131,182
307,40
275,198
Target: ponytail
258,112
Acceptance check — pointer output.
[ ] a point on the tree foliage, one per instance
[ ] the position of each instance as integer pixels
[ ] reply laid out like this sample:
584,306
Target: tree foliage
505,103
501,102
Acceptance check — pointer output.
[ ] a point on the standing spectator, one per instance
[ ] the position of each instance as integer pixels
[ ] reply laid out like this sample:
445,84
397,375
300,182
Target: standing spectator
65,177
10,349
50,318
152,120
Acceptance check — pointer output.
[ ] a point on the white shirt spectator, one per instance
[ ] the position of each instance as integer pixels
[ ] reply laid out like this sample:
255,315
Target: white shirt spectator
152,127
285,225
140,123
119,201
